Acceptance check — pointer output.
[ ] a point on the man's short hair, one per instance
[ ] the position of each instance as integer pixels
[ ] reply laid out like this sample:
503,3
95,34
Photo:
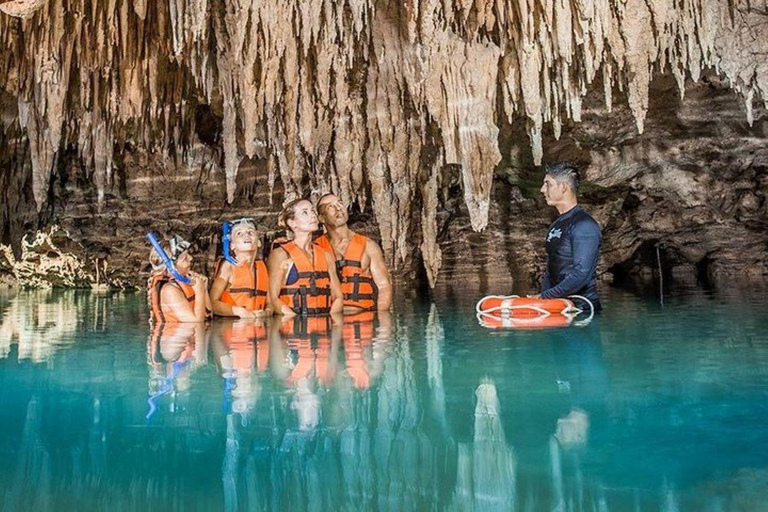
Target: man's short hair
565,173
320,199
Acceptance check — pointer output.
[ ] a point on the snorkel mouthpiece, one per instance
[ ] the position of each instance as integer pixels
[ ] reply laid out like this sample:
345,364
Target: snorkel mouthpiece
226,230
166,259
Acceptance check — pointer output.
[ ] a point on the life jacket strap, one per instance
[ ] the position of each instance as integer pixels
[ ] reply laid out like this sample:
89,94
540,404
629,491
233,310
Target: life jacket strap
249,291
303,291
356,295
323,274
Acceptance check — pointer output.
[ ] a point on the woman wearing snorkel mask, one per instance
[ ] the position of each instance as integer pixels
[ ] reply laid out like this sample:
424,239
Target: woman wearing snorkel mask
171,300
240,285
302,276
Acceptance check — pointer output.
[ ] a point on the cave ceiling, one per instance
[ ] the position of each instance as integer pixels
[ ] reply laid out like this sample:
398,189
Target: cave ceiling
371,99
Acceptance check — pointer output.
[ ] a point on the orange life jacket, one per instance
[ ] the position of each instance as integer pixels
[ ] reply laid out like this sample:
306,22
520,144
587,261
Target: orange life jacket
309,339
311,293
357,284
358,335
247,287
246,343
158,313
360,326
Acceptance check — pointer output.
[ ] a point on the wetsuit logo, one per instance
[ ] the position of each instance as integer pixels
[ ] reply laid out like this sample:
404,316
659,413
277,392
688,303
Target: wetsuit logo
554,233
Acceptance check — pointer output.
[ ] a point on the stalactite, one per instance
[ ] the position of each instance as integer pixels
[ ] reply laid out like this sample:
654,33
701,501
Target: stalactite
342,95
430,249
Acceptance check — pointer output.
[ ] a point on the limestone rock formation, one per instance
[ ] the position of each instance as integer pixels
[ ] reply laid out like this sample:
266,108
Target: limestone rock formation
379,101
44,263
694,185
21,8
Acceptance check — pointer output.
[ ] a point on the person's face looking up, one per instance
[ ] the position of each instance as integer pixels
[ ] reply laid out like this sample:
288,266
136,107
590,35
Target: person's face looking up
332,211
304,218
244,238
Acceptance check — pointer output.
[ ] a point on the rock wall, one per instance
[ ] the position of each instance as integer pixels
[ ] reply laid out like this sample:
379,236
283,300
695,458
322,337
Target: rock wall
695,184
120,116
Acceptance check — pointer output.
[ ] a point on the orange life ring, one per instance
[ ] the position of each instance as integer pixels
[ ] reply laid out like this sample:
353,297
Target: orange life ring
524,307
522,322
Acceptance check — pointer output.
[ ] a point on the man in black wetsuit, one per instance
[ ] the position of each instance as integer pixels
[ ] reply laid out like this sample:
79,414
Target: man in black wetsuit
573,240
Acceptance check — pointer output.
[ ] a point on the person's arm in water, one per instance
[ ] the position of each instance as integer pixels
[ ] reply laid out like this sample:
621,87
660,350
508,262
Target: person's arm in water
380,274
586,239
278,265
173,298
337,298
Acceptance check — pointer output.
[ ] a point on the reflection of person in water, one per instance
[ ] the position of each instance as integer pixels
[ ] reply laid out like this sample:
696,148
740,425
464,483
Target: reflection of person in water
365,337
581,373
304,354
173,352
582,381
241,351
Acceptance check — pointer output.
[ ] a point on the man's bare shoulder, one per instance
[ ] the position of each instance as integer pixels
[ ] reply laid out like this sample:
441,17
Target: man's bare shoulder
373,249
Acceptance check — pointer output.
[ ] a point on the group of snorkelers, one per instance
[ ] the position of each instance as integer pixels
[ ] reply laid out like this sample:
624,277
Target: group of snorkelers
338,272
342,271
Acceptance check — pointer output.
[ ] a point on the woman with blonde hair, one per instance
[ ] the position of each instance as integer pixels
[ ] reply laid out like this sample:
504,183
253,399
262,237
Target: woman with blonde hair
170,299
303,279
241,281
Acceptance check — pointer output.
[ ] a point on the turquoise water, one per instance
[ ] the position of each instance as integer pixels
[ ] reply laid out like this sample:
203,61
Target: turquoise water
647,408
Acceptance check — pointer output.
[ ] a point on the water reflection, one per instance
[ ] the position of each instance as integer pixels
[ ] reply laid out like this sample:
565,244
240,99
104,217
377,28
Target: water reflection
419,410
486,467
241,352
306,361
39,322
174,352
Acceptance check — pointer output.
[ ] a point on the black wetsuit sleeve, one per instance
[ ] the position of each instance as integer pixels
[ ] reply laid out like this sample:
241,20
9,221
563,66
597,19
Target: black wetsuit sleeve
586,240
546,283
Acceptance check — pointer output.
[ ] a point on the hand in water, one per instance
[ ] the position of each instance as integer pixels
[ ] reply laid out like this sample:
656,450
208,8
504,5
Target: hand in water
244,313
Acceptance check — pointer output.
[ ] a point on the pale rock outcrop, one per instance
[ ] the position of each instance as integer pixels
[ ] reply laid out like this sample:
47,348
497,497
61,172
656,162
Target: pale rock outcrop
21,8
43,263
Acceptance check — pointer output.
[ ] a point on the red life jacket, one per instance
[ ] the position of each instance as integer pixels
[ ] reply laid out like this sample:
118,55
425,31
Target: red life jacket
311,293
357,284
155,284
248,286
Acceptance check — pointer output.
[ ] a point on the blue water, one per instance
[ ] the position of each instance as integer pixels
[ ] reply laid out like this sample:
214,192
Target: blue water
646,408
